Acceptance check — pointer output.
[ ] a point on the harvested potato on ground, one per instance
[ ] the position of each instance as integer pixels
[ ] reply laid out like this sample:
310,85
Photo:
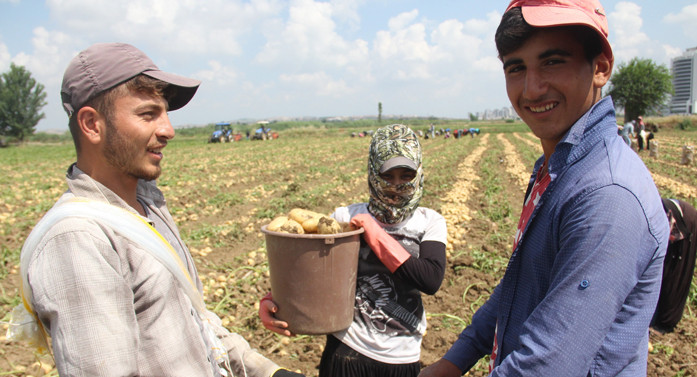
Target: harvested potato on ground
276,224
301,215
328,225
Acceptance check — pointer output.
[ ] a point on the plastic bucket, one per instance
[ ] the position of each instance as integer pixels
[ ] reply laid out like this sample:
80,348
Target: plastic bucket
313,279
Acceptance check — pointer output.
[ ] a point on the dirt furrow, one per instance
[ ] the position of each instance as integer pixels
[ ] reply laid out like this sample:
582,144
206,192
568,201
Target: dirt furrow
454,207
514,166
678,189
532,144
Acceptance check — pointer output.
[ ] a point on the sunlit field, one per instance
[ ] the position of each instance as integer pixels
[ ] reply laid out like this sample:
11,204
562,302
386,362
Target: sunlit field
221,194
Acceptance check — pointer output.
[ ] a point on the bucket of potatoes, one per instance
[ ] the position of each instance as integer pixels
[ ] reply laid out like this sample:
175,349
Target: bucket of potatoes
313,260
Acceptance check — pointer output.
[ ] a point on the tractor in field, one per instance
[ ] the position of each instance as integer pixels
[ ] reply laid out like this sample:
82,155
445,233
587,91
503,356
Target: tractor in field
221,134
263,133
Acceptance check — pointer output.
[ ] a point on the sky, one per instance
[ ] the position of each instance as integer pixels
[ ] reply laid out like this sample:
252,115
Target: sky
269,59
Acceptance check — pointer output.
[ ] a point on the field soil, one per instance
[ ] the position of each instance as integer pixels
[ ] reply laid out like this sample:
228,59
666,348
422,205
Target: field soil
473,182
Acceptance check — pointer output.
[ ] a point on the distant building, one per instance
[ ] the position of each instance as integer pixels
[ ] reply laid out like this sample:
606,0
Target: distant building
684,71
498,114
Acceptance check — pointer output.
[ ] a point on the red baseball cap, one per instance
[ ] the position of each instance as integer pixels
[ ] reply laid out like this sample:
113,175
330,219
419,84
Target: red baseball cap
103,66
548,13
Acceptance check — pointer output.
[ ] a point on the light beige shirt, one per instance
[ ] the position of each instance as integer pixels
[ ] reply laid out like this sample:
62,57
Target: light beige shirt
112,309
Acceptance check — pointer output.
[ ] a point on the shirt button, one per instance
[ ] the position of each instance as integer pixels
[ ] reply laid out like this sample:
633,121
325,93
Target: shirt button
584,284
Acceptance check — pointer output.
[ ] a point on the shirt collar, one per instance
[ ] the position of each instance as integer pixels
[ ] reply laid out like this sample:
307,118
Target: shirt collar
582,135
81,184
583,125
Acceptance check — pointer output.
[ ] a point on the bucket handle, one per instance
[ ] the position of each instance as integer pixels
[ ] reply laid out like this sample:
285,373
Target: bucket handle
329,241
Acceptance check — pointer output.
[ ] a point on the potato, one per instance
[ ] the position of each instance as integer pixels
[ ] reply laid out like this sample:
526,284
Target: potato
304,221
310,225
277,223
301,215
328,225
292,226
347,227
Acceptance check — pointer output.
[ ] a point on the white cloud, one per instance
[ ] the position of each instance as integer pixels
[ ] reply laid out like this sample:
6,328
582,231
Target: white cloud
453,43
625,32
489,64
309,41
317,83
671,52
444,63
48,47
263,58
630,41
685,20
162,13
402,52
402,20
217,74
51,51
4,57
346,12
174,26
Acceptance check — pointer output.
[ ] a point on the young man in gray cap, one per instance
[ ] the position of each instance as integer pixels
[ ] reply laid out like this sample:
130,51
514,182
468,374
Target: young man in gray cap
583,280
105,271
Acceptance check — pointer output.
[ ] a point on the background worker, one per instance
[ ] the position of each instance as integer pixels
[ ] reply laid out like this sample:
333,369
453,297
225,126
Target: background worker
628,129
642,134
678,266
580,287
112,303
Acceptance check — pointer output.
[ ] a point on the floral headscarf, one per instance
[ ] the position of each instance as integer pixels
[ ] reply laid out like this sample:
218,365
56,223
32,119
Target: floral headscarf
393,204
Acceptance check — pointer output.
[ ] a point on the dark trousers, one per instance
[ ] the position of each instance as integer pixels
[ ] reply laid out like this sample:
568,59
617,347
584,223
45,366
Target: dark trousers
340,360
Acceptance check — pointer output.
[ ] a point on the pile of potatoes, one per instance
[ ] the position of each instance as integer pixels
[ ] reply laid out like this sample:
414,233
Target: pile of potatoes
304,221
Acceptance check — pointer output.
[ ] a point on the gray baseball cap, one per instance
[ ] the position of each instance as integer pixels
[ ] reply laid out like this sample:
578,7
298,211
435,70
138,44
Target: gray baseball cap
398,162
103,66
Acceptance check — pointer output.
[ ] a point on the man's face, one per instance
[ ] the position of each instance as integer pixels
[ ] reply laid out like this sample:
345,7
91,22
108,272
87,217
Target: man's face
550,83
136,135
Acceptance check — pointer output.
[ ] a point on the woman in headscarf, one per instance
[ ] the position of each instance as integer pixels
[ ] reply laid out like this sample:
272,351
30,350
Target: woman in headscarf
402,254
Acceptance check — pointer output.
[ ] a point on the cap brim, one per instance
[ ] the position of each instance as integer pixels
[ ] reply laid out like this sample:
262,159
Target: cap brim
186,87
539,16
398,162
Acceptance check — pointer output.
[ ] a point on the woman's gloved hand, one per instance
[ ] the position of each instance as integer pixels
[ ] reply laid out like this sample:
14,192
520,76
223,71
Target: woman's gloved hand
385,247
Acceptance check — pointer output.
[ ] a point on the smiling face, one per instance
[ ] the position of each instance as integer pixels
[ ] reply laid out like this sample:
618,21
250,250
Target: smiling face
551,83
135,136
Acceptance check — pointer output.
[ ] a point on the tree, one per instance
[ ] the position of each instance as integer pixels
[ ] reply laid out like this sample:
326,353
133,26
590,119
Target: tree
379,112
640,87
21,100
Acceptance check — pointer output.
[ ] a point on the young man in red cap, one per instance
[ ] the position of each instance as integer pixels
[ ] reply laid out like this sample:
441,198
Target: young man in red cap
583,280
105,272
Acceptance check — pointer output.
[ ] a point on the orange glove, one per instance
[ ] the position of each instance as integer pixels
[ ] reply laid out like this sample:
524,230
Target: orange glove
385,247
